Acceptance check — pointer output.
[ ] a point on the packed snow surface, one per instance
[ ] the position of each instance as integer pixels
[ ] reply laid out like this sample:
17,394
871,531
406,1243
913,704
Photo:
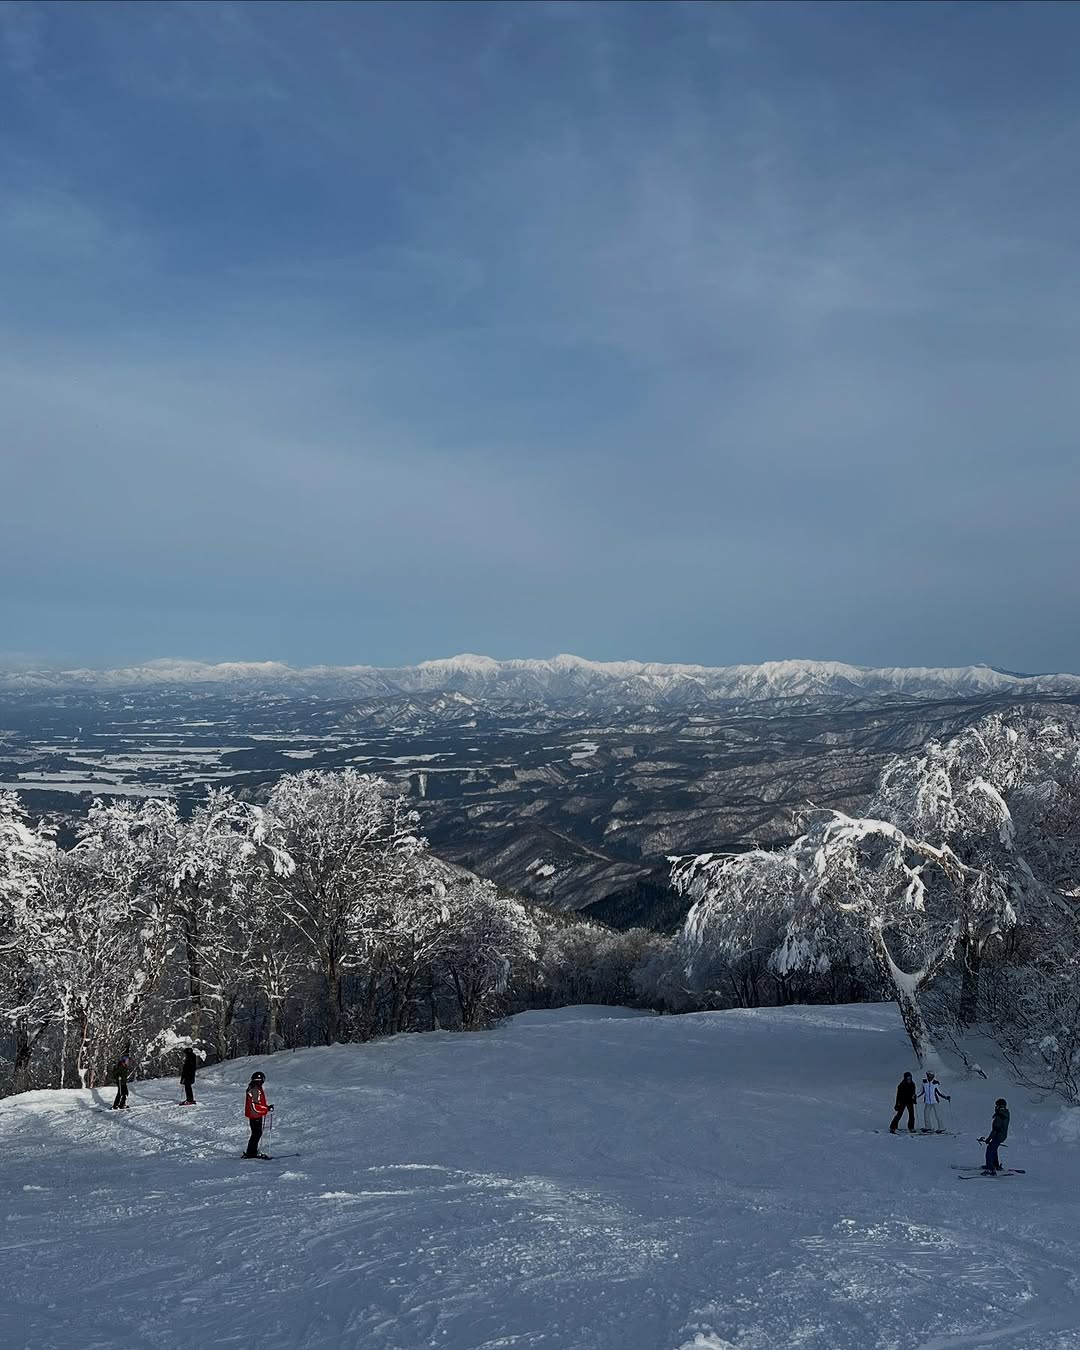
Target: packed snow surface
575,1180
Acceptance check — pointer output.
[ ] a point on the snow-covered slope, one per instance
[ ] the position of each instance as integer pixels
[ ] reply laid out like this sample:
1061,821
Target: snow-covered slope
563,679
575,1180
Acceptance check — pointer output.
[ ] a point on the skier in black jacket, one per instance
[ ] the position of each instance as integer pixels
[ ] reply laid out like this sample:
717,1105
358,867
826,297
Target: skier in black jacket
123,1068
905,1101
999,1132
187,1076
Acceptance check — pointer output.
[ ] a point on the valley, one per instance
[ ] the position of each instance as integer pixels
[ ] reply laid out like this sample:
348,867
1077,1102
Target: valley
572,801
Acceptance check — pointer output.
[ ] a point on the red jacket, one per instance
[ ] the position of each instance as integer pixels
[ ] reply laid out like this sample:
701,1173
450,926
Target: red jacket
255,1106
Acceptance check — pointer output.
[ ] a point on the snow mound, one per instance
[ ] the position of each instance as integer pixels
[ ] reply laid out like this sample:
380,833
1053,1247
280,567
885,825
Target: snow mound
1066,1126
580,1012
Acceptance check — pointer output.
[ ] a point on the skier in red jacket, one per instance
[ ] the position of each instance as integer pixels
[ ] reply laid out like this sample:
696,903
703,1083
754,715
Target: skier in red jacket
256,1108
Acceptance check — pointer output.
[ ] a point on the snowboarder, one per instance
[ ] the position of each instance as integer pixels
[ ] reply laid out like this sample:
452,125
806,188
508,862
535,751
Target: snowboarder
905,1101
123,1068
999,1132
256,1109
187,1076
930,1094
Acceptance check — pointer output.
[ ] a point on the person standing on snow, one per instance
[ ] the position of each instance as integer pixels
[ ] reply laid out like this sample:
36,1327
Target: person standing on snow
187,1076
123,1068
256,1109
999,1132
905,1101
930,1094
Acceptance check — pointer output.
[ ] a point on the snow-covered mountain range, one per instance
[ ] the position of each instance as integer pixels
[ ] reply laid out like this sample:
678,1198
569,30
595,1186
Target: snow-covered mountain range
564,679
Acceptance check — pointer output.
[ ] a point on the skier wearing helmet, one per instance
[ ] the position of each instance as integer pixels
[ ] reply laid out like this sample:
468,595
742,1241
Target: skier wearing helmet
256,1109
999,1132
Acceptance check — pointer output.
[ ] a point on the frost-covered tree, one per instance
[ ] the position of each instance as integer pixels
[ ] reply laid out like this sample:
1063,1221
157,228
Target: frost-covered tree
274,960
114,889
1030,1002
417,932
622,958
29,934
353,842
902,901
1045,804
955,794
217,860
1004,796
583,962
488,936
240,927
941,867
567,961
1023,990
742,903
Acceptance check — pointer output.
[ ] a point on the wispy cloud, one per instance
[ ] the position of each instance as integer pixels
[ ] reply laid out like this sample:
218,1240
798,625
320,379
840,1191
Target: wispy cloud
696,331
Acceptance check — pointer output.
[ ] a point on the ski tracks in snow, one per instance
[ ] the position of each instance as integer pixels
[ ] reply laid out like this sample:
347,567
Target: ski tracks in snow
568,1182
895,1285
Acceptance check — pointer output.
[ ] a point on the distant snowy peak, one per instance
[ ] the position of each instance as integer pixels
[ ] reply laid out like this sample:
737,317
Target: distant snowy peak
562,679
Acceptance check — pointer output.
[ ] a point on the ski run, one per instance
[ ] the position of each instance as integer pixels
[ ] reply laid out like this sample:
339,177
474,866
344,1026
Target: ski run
586,1179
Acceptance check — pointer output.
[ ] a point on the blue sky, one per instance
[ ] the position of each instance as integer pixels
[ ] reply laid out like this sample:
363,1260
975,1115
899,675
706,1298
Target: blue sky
370,333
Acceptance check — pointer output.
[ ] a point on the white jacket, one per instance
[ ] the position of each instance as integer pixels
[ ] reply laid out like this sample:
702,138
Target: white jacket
929,1093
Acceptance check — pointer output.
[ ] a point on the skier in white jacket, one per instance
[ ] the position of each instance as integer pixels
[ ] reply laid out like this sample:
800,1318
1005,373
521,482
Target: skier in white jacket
930,1094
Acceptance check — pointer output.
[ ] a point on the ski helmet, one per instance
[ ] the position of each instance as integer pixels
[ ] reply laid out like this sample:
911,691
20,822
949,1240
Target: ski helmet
258,1078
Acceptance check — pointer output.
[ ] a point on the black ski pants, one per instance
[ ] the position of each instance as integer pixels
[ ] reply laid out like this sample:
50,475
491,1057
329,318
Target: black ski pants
189,1088
910,1109
120,1099
256,1135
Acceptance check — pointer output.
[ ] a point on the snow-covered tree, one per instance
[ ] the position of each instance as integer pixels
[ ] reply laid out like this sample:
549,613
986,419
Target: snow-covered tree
584,962
1004,796
902,901
567,959
156,931
937,869
848,891
488,936
274,960
218,857
417,932
742,903
953,794
115,890
353,843
621,958
29,934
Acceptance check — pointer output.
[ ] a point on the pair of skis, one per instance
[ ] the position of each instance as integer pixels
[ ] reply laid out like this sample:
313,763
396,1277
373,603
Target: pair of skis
949,1134
969,1172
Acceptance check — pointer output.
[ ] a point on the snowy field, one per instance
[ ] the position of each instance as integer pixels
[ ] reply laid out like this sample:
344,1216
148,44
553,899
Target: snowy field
576,1180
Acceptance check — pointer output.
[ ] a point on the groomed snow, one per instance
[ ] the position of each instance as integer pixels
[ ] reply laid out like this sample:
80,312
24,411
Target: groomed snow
585,1179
